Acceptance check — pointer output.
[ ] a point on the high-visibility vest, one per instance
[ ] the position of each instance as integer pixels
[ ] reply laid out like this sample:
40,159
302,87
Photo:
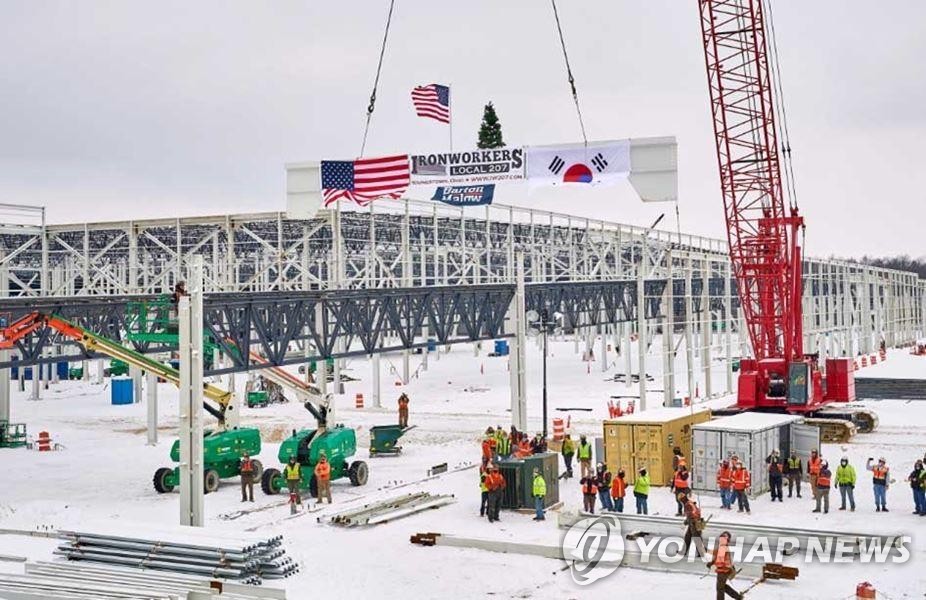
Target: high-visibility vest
247,466
585,451
794,464
323,471
722,561
569,447
504,445
540,486
879,475
589,486
482,483
774,468
641,485
741,479
813,467
618,488
292,472
724,478
486,449
680,482
403,402
680,462
824,479
495,481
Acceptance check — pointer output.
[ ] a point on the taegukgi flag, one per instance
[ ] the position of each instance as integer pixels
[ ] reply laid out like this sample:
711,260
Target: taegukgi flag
598,163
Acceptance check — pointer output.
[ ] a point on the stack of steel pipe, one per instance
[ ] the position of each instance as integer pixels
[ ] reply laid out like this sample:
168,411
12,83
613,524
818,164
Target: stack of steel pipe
389,509
250,560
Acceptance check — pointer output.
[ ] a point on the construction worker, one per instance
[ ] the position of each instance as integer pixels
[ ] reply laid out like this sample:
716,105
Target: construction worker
845,481
824,479
641,492
741,484
585,457
539,492
775,474
524,448
589,491
292,473
246,468
681,485
486,450
795,474
725,484
880,480
483,491
403,410
694,527
502,443
722,561
618,491
495,483
538,444
514,436
603,483
813,469
678,459
568,451
917,481
323,479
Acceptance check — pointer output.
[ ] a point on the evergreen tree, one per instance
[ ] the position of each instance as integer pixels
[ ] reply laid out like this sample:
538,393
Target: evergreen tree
490,132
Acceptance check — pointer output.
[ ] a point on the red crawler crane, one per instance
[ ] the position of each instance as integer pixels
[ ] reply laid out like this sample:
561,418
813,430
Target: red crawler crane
761,230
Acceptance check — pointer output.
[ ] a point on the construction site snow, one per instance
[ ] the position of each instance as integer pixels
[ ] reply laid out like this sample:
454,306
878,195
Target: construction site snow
104,471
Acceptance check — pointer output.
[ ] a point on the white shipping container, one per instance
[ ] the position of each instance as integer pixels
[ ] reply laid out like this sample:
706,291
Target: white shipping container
752,437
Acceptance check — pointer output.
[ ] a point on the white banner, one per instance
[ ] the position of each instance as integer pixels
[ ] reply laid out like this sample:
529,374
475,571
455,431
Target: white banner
473,167
599,163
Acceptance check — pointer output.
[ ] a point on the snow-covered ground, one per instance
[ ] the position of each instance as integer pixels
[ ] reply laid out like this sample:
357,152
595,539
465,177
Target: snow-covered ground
104,473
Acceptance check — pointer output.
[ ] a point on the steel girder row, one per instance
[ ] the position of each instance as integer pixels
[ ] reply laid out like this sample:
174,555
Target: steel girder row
361,322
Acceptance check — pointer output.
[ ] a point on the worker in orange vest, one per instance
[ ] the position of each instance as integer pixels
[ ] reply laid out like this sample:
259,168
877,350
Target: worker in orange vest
589,491
880,480
495,483
813,470
741,483
694,527
323,479
487,447
403,410
618,491
247,477
681,486
822,490
678,459
725,484
722,561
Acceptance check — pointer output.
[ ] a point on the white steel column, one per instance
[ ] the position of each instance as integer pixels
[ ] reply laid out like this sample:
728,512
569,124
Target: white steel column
377,378
5,354
603,348
641,328
728,326
625,352
689,322
516,364
135,374
191,399
706,326
668,337
151,385
321,363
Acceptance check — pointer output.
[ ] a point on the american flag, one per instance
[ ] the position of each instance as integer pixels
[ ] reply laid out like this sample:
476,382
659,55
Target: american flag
365,179
432,101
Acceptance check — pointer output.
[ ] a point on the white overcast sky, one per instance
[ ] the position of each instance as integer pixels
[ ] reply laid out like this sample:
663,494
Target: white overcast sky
124,109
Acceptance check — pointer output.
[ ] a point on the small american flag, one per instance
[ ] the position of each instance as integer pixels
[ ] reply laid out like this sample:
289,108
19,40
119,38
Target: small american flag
432,101
365,179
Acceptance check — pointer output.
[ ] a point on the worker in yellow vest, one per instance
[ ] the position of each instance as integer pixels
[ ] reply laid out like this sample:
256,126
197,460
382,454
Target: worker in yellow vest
585,457
292,473
539,492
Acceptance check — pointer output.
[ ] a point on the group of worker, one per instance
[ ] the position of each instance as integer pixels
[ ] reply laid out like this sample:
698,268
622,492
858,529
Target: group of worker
500,444
734,482
292,474
492,485
611,490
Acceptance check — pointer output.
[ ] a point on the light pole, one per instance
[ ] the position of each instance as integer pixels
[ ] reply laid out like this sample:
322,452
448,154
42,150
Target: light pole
541,324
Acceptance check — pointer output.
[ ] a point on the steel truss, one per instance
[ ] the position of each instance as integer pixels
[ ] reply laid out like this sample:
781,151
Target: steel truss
409,244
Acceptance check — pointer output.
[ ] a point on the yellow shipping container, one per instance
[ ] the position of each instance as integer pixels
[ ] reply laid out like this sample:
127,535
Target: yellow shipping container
646,439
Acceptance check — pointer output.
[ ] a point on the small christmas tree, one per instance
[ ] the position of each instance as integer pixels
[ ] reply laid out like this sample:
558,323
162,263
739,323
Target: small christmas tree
490,132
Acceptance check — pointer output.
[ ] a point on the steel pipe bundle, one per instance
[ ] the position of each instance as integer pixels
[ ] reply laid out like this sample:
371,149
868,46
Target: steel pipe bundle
391,508
249,560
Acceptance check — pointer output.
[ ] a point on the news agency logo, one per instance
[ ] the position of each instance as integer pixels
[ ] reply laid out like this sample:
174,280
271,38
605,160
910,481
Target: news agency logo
594,548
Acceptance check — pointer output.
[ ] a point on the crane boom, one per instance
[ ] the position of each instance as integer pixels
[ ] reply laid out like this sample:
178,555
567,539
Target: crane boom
761,233
92,342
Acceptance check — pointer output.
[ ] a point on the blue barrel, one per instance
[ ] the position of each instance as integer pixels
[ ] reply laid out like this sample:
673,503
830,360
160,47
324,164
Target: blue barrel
62,370
432,345
501,347
122,390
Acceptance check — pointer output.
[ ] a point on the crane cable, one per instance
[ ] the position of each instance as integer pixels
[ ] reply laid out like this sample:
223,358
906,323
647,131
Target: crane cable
572,81
379,68
775,64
